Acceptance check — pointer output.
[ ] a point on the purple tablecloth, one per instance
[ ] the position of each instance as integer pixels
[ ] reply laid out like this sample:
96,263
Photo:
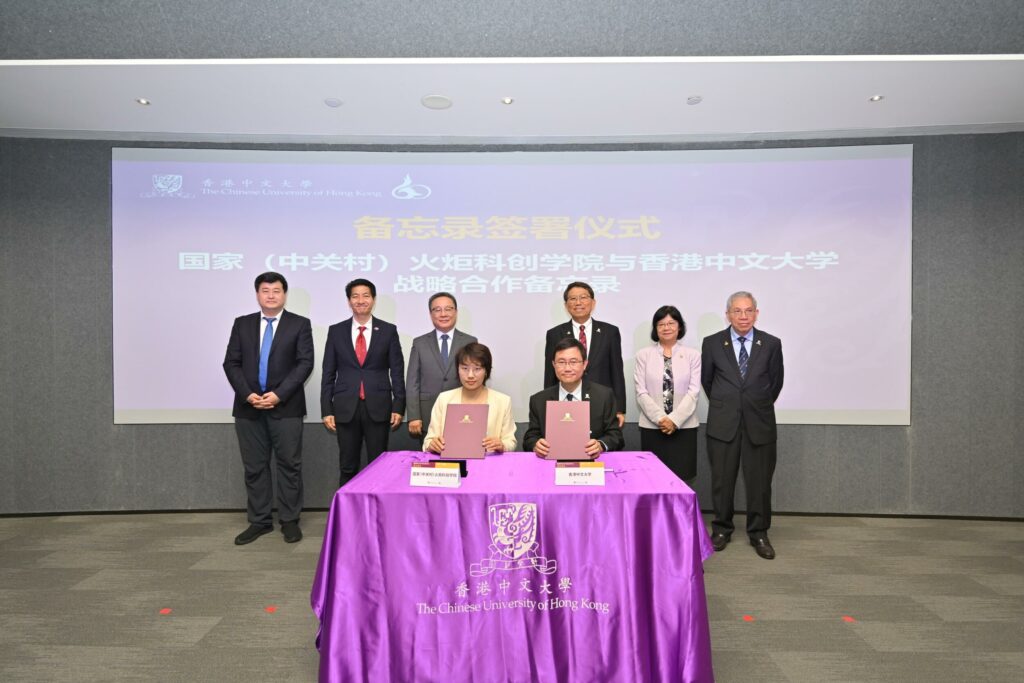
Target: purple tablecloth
511,578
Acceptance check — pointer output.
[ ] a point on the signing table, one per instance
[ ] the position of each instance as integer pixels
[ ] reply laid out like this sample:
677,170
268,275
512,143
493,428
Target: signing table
511,578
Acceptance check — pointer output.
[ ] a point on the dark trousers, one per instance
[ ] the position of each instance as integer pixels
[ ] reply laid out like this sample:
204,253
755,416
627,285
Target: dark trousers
257,440
758,462
351,436
677,450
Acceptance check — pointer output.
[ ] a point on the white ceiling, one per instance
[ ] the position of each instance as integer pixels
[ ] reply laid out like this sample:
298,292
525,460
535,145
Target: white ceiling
554,100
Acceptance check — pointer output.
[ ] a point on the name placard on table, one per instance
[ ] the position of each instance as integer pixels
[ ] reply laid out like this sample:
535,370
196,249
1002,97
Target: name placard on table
579,473
435,474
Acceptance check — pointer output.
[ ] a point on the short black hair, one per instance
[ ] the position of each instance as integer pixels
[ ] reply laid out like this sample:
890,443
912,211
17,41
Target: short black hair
574,285
566,343
671,312
360,282
478,353
270,277
430,303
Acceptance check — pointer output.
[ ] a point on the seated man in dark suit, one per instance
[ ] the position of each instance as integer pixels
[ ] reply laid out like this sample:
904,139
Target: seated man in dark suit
569,363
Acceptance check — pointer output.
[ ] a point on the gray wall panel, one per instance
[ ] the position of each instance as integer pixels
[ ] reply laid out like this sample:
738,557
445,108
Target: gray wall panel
155,29
960,456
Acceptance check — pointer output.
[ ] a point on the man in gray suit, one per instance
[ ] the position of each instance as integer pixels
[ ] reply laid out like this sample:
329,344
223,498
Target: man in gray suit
432,362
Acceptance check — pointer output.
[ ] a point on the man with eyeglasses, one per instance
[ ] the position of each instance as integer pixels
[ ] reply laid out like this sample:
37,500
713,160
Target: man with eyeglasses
741,372
569,367
601,341
432,362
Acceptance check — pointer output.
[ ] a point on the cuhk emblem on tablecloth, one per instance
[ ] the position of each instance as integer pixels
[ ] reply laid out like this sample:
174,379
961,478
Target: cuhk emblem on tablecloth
513,541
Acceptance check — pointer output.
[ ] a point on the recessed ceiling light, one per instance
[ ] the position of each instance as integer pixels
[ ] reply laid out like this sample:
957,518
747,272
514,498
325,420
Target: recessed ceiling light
143,101
876,98
333,102
507,100
436,102
694,99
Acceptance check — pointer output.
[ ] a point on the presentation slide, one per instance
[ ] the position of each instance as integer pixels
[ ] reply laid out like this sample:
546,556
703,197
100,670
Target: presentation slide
821,236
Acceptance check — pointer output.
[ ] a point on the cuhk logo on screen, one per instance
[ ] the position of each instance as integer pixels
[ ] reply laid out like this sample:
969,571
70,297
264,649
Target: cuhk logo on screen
167,185
410,190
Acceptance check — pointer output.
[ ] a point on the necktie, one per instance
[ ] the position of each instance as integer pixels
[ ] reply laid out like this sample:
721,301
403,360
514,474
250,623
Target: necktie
569,397
361,356
583,336
743,358
268,338
444,349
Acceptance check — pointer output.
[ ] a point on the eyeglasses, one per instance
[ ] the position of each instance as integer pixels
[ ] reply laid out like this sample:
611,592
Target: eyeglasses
579,299
742,311
470,369
446,309
563,364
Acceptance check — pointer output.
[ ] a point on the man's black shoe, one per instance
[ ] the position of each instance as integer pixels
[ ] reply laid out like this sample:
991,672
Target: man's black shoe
252,533
292,532
763,547
719,541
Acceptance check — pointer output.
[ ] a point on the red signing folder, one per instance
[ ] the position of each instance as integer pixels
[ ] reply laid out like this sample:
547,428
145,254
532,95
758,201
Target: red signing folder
567,430
465,427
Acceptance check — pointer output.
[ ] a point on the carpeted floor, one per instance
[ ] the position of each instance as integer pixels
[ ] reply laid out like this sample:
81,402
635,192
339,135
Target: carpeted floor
168,597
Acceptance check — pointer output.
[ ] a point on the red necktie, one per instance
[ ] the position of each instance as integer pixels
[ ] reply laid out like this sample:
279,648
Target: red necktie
361,356
583,336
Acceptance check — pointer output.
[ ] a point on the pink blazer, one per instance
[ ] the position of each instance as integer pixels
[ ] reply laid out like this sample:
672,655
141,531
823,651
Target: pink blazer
647,377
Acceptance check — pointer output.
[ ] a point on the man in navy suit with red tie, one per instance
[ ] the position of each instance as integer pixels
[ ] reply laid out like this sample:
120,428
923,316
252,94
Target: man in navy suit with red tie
362,392
741,372
600,340
269,356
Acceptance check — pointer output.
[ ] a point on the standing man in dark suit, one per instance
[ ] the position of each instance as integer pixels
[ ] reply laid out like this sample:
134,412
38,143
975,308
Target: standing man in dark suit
569,365
431,361
741,372
269,356
362,395
601,341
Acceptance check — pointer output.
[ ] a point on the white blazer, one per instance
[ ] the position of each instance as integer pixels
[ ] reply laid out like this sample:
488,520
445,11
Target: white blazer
499,416
647,376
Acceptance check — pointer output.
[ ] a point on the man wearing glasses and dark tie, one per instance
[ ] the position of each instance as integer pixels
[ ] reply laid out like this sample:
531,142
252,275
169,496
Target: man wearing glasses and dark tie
741,372
569,366
432,362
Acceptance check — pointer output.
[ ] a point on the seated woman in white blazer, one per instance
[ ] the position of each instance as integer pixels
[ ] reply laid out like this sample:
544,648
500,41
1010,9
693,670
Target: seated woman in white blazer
474,363
667,378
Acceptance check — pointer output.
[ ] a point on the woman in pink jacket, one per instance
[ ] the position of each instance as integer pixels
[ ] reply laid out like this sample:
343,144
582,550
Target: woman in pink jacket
667,378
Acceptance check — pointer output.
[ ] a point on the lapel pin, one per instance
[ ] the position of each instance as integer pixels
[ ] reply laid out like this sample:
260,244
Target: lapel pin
757,343
586,396
598,329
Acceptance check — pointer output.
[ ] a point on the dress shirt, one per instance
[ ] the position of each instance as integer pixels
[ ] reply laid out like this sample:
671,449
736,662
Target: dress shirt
736,341
451,338
588,328
366,334
576,395
263,325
